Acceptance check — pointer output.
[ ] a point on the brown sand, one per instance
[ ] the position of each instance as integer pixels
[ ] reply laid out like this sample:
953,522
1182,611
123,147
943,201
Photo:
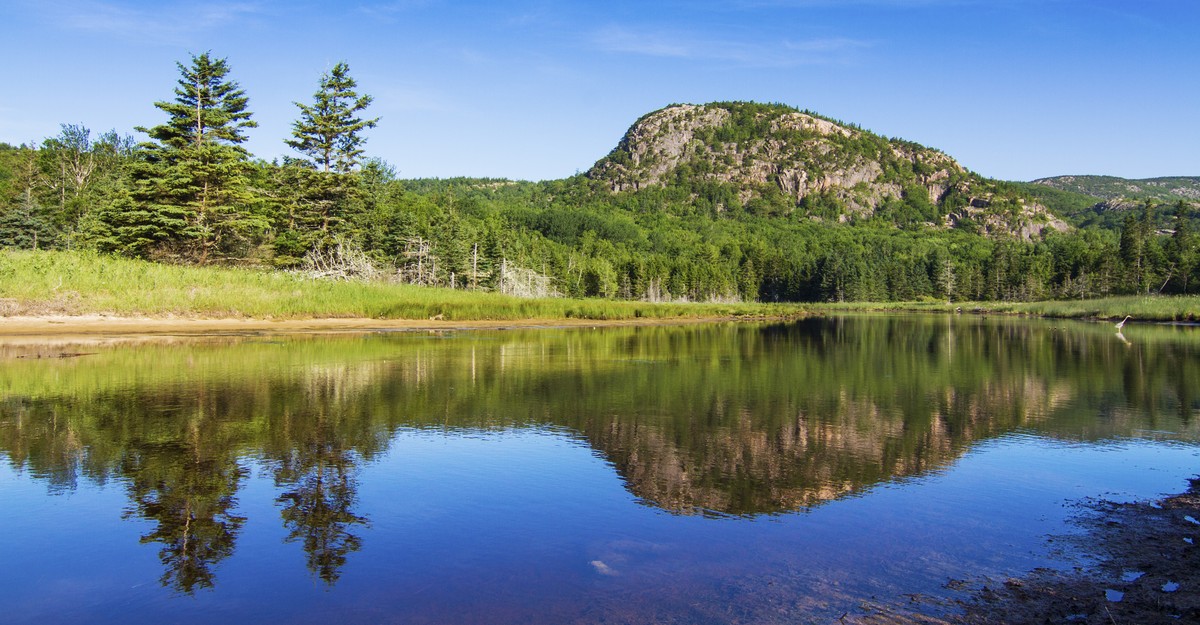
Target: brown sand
91,325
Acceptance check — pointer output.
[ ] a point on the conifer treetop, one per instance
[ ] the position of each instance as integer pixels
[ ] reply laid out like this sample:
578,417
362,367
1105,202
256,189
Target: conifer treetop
329,130
208,108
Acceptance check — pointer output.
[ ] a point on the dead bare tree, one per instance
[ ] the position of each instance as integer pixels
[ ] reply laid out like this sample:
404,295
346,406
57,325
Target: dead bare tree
522,282
341,261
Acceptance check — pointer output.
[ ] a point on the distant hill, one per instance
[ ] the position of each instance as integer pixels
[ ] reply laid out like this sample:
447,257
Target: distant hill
774,160
1166,190
1103,200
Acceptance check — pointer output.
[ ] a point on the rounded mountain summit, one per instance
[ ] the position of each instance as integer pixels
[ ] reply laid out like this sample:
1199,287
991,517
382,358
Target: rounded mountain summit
776,160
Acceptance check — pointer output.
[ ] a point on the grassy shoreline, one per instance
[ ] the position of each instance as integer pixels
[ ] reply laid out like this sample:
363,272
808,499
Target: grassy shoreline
72,284
1161,308
55,283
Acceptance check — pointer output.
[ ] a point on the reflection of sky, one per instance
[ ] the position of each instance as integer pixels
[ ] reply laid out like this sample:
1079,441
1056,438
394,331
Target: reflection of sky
510,524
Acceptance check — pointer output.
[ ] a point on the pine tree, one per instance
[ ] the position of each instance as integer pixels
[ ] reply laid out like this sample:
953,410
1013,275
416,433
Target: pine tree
1180,252
189,191
329,131
1134,235
26,223
325,193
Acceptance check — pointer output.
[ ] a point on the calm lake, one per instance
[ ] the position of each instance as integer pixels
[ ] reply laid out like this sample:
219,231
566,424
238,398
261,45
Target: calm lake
754,473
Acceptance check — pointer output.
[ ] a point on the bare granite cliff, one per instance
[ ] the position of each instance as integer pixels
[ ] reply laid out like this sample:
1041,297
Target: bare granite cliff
772,159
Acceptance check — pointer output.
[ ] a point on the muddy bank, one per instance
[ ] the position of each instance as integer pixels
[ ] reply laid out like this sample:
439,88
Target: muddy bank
90,325
1134,563
1140,563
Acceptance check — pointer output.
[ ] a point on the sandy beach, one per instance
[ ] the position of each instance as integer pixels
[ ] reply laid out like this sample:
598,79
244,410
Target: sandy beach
92,325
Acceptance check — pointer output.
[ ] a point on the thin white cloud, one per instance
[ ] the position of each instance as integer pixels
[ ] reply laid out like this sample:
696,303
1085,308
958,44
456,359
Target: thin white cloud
408,98
166,22
831,45
472,56
389,11
618,39
621,40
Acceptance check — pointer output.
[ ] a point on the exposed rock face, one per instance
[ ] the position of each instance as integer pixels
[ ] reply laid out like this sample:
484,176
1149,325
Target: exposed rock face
655,148
772,151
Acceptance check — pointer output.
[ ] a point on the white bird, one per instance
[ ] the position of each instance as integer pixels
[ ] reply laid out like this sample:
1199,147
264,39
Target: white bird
1122,324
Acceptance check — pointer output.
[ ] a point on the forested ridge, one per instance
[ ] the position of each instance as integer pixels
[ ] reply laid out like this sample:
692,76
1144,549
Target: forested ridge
1163,189
722,202
1104,200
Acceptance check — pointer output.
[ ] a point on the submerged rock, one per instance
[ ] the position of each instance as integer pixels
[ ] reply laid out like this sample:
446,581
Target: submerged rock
603,568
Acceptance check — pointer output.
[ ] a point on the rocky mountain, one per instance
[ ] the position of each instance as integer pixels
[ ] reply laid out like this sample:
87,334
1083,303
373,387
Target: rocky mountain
774,159
1120,191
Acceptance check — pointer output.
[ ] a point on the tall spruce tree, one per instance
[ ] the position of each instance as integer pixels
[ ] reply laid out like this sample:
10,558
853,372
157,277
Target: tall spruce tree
1180,249
189,195
329,135
1135,240
329,132
26,223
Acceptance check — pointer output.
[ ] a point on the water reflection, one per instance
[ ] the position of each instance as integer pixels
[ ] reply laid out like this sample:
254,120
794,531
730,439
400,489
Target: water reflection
715,420
186,486
318,476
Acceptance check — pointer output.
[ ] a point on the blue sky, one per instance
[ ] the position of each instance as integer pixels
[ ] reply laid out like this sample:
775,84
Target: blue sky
1013,89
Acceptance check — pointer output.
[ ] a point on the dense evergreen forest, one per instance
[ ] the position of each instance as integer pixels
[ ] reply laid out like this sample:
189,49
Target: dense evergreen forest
190,193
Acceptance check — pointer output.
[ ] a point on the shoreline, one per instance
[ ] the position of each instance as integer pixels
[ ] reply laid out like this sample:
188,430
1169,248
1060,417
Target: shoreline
97,325
1134,562
103,325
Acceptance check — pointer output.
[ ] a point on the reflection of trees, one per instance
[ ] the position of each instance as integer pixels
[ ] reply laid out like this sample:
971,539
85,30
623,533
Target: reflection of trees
318,473
739,419
179,445
32,436
187,487
325,421
319,513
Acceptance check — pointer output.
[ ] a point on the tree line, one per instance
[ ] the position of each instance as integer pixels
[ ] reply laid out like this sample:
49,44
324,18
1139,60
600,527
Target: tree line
191,193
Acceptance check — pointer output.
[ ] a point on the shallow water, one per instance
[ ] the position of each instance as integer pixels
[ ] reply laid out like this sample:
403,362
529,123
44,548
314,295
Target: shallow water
701,474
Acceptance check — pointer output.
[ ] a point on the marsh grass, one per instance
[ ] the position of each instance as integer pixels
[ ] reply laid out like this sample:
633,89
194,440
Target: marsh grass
78,283
1141,307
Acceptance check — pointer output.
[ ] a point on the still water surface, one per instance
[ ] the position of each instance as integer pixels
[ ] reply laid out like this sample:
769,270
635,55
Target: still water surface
700,474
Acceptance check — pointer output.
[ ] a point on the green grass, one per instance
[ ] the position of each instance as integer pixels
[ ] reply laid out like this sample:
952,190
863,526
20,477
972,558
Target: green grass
1142,307
77,283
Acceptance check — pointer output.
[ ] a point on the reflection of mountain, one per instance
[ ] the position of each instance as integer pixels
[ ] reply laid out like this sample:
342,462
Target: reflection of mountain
847,416
732,419
800,463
